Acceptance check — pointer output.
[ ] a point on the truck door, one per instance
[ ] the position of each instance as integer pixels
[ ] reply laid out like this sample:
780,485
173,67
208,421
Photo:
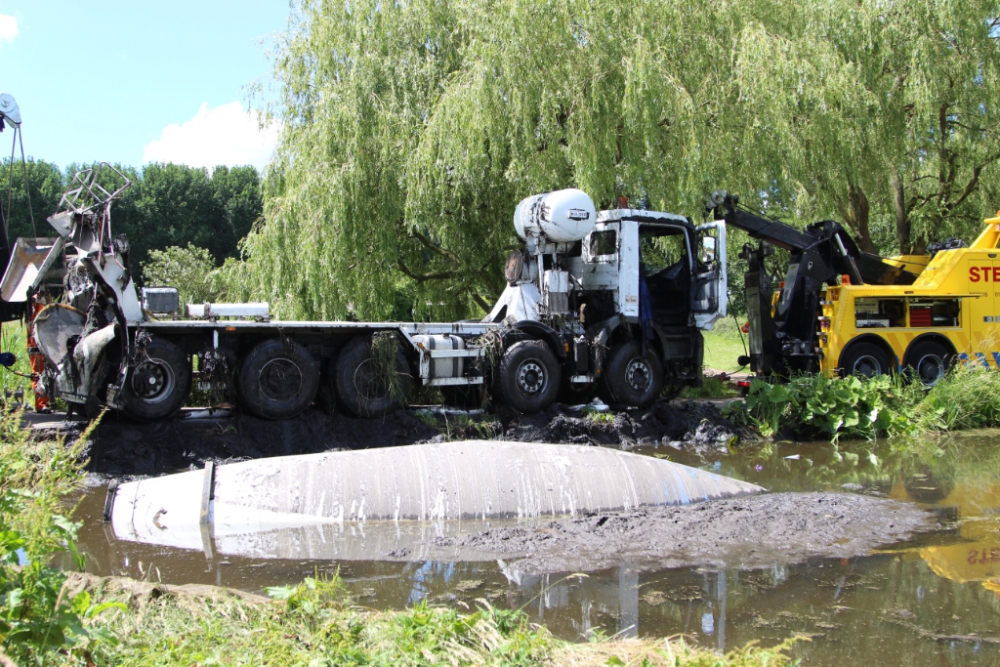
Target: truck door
710,288
628,271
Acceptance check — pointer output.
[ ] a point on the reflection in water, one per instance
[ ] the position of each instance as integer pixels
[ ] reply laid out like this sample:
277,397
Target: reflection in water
933,601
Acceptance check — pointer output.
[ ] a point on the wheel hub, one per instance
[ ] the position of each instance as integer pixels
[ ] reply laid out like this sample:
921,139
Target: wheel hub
151,379
868,366
280,379
638,374
531,377
930,369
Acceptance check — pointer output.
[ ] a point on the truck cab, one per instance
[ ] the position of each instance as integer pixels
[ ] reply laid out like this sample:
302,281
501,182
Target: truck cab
662,255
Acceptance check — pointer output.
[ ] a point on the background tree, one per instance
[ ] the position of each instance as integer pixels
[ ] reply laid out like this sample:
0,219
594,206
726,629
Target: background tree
188,269
412,129
45,187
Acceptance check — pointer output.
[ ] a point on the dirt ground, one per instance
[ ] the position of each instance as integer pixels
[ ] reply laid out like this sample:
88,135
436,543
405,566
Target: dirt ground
123,449
748,532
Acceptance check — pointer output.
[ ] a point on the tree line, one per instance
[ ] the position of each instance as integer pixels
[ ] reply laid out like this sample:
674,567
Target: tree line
167,205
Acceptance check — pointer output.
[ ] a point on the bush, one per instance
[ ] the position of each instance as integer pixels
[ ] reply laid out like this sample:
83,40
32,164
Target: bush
812,406
188,269
37,623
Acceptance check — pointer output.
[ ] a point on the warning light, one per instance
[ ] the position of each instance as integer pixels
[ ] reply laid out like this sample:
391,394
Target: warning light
845,279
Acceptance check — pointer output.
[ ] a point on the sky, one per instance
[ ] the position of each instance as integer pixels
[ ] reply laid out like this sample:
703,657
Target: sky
140,81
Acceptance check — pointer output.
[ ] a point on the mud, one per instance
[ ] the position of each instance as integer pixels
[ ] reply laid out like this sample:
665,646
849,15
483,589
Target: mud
746,533
123,449
682,424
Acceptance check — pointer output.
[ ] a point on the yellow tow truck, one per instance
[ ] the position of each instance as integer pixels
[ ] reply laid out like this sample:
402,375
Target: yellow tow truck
841,310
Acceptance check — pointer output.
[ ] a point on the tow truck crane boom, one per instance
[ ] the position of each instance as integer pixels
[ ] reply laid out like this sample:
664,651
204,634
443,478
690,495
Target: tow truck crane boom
785,340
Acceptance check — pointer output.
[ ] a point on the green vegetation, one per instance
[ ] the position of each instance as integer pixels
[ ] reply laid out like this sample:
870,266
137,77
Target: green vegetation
815,406
711,387
724,345
38,622
412,129
605,417
188,269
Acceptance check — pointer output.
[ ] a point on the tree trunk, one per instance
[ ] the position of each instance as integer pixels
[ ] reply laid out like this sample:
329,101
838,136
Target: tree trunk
901,214
855,214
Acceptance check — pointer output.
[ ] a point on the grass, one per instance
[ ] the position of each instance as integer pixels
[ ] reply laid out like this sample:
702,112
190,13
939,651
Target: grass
711,387
314,623
12,339
723,346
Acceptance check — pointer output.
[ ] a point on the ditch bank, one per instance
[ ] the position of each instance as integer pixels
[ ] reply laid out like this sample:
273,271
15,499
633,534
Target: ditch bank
121,449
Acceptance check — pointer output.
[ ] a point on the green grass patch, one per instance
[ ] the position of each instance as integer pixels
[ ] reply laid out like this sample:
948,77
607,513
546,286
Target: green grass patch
723,346
605,417
711,387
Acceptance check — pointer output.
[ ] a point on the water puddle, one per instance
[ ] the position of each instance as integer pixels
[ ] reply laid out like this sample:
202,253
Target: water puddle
932,600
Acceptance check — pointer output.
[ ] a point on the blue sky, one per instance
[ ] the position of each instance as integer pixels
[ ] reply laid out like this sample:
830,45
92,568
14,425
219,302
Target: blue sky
139,81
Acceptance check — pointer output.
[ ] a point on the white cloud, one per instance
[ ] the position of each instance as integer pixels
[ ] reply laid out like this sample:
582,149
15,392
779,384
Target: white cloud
8,28
226,135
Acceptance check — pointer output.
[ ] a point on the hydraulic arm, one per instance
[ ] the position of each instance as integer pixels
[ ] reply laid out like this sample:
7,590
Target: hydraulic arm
783,334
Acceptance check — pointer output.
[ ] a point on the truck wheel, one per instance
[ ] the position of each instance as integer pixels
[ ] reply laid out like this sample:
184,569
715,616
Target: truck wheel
278,379
630,377
928,361
865,359
529,376
361,391
158,384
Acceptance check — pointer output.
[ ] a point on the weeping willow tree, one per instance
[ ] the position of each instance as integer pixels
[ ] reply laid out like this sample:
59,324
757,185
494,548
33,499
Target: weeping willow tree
411,129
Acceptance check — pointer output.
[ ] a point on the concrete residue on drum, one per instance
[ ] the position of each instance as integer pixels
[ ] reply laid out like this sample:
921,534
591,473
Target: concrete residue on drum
433,482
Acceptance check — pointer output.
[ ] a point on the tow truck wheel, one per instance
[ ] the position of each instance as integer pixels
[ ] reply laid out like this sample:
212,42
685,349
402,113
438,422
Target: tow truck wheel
361,390
928,361
158,384
866,360
529,376
631,377
278,379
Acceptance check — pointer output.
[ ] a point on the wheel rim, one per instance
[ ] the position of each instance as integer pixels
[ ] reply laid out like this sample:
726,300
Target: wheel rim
867,365
280,379
530,377
638,375
153,380
930,369
370,385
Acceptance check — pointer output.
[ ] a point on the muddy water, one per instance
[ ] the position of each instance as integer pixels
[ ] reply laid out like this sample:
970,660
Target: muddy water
932,601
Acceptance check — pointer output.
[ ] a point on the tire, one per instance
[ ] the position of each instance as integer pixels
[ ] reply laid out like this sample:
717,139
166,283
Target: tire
529,376
928,361
278,379
360,392
630,377
865,360
157,386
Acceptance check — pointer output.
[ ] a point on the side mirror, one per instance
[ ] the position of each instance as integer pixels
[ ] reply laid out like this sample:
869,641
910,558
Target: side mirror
708,249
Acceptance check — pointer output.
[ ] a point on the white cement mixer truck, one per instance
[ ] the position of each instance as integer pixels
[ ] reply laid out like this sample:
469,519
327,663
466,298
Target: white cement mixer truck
611,302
